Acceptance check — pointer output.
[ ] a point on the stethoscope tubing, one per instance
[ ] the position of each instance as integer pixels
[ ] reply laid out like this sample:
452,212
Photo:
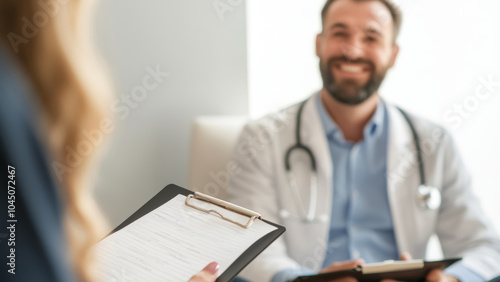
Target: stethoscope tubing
298,144
429,197
416,140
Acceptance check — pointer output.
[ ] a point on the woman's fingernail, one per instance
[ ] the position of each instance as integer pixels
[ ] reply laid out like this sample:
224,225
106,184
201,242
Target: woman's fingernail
212,268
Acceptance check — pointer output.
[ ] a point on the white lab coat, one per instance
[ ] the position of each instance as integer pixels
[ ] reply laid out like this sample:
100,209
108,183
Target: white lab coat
261,184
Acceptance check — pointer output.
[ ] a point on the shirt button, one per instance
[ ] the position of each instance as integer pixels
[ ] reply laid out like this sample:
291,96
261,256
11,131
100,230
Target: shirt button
355,254
354,229
355,193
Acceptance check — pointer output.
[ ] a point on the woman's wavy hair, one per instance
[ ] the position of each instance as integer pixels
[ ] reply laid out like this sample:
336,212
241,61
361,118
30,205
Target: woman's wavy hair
51,41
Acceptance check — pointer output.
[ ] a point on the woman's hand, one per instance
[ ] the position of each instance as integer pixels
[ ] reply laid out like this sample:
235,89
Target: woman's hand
208,274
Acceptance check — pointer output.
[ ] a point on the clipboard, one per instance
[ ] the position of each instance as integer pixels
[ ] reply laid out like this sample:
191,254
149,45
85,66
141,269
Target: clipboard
410,271
172,190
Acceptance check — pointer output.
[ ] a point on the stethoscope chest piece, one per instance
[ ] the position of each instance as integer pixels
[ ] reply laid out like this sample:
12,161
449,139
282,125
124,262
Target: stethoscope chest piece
428,197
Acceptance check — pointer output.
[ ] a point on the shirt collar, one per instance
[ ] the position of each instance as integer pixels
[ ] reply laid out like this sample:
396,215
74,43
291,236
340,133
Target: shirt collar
372,129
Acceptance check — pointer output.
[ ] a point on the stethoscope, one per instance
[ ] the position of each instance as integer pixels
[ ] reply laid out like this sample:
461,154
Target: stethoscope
428,197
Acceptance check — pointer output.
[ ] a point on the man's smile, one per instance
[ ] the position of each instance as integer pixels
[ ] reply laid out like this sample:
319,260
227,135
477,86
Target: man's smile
351,70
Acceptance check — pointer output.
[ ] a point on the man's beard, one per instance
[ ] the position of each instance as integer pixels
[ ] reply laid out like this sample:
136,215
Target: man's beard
349,91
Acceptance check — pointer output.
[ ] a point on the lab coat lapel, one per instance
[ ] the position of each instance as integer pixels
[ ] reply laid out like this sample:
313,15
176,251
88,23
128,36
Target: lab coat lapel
400,176
313,136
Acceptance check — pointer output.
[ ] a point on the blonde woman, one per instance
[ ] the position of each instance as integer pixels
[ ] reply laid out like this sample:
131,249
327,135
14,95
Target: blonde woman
52,89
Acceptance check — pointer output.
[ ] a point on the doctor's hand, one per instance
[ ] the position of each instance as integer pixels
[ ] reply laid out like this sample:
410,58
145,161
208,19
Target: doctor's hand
404,256
208,274
436,275
345,265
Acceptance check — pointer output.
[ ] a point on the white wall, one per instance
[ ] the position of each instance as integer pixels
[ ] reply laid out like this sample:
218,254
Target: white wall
282,65
447,47
205,56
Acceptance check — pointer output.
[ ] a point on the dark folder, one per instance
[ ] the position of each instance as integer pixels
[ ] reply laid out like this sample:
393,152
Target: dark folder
171,191
410,274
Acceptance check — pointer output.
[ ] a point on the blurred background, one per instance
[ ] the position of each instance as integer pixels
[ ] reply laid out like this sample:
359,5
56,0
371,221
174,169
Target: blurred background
247,58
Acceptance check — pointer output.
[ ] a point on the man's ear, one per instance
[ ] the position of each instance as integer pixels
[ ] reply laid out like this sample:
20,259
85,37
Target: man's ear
318,43
395,52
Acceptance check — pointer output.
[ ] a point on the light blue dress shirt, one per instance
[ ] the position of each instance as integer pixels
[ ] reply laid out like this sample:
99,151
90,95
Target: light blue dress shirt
361,222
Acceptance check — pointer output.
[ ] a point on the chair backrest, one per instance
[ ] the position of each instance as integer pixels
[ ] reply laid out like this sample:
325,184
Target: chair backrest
212,143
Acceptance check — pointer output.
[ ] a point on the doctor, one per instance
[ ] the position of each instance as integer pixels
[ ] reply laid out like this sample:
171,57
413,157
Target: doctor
342,171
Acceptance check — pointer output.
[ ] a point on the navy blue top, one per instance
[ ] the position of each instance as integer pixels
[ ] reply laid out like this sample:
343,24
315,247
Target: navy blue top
36,239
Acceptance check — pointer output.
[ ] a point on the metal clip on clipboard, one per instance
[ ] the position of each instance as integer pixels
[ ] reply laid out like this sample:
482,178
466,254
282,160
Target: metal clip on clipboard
223,204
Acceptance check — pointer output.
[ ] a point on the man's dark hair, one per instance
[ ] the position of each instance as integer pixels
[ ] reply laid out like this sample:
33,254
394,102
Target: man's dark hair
393,9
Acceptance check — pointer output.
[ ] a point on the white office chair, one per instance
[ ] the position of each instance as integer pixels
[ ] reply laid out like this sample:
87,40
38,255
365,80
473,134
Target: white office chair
212,143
